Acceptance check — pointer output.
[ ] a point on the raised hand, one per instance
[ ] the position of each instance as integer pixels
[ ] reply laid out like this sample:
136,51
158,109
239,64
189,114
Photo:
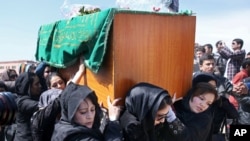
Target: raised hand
114,109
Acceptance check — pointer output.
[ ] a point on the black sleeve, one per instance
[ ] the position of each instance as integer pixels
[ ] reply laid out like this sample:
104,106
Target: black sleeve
43,121
27,105
170,131
134,132
113,131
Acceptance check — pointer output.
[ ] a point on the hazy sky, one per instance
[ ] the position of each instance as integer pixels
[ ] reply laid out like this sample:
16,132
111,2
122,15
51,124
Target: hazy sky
21,19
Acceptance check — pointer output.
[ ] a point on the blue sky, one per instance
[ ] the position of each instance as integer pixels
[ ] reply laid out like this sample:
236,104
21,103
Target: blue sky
20,21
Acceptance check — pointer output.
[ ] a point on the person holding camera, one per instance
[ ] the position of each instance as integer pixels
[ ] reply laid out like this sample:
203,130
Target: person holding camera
220,62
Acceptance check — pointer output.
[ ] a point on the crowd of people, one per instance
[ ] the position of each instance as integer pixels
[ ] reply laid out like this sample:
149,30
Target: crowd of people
230,66
56,107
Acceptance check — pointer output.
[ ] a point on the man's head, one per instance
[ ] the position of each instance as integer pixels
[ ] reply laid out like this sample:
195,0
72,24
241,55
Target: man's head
199,51
237,44
207,63
219,45
246,65
208,48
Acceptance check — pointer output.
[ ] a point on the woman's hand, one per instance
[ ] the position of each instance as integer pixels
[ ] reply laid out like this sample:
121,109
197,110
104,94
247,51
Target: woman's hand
81,66
113,109
81,71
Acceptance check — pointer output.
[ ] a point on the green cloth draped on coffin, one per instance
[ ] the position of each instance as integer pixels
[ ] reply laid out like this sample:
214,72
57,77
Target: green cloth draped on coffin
61,43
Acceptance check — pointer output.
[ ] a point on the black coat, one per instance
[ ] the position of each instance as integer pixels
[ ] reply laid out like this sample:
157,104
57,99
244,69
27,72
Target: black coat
26,108
44,120
244,109
27,104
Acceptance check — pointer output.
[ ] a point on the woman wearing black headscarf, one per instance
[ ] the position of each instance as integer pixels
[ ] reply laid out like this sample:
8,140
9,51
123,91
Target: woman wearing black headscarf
194,112
148,108
28,89
82,118
43,70
222,109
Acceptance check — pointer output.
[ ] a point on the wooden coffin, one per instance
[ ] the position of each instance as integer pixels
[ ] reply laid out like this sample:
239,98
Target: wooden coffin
146,47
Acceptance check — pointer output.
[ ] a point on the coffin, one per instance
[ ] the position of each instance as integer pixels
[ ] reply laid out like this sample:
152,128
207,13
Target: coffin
145,47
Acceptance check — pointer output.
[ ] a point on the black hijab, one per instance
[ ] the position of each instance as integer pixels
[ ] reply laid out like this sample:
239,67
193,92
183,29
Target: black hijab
203,77
23,83
198,125
143,101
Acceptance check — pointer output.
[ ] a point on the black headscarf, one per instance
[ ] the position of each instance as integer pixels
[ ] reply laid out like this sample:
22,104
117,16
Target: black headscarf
203,77
198,125
23,84
40,72
143,101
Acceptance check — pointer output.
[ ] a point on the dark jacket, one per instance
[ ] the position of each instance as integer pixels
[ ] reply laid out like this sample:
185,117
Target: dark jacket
44,120
244,105
27,105
222,108
67,130
142,103
48,96
244,109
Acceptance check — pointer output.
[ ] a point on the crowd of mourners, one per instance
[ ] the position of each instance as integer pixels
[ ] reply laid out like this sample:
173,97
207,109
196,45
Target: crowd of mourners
56,107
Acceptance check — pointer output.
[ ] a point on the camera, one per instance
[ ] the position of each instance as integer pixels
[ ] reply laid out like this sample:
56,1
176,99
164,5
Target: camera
8,108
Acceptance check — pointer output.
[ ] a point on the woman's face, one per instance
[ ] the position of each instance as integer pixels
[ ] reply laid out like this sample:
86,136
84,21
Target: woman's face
85,113
46,72
201,103
35,88
57,82
161,115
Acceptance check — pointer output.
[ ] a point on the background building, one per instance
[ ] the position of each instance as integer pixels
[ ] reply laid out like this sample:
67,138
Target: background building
16,65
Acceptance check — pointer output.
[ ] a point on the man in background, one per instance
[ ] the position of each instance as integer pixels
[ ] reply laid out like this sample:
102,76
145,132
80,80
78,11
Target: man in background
234,58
